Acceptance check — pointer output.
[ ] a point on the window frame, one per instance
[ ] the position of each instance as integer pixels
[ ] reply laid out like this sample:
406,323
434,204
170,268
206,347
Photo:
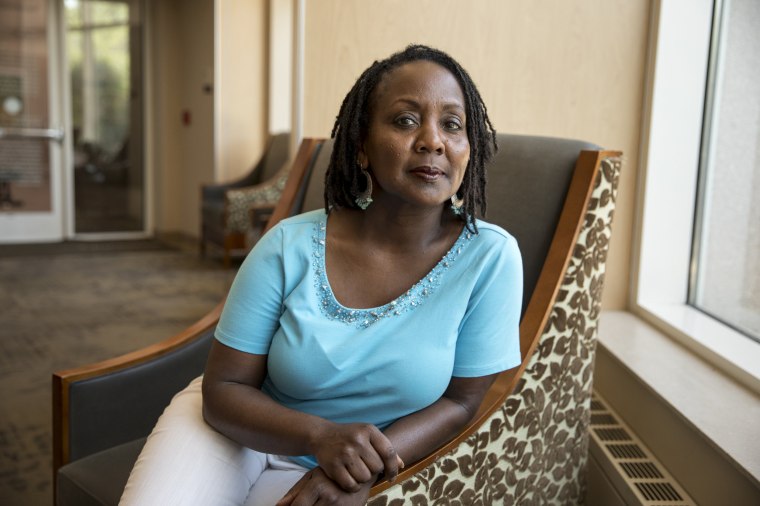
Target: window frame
671,147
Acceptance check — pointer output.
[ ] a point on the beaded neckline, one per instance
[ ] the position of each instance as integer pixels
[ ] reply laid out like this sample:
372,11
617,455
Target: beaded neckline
407,301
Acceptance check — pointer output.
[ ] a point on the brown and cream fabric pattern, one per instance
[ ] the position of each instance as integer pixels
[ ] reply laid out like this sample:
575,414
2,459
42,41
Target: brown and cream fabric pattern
533,450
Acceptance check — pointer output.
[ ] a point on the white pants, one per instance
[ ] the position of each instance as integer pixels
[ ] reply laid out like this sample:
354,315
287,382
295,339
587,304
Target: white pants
186,462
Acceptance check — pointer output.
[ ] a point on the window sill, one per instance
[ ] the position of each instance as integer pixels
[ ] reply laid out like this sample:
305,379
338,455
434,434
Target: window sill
734,353
719,409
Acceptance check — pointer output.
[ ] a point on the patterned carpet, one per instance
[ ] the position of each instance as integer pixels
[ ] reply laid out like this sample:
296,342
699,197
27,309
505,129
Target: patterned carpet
71,304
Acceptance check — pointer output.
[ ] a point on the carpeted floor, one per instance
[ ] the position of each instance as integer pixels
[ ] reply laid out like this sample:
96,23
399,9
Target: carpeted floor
67,305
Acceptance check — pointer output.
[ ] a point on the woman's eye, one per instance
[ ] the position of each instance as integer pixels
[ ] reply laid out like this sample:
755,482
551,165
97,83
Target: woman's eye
405,121
453,125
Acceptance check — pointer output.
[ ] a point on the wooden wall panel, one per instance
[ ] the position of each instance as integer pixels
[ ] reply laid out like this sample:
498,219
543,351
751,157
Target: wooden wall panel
182,45
546,67
241,85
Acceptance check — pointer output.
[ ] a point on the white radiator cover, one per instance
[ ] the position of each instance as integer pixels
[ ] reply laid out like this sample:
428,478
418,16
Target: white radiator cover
621,470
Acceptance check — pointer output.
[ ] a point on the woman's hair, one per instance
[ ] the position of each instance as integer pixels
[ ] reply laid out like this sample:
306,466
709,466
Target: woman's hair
352,124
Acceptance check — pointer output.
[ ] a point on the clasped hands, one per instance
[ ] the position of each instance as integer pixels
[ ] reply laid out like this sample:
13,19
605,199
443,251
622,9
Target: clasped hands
351,457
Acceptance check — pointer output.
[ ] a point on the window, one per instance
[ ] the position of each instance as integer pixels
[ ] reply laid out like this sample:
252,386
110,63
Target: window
667,188
725,279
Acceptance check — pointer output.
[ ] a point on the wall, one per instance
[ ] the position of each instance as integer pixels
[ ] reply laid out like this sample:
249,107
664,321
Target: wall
223,100
164,75
182,45
197,138
548,67
241,85
280,95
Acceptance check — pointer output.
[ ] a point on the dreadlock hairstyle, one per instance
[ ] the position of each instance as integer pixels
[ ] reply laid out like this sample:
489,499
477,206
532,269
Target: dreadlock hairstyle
352,124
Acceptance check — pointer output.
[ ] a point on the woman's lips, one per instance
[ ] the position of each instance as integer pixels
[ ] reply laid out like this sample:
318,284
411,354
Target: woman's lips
427,173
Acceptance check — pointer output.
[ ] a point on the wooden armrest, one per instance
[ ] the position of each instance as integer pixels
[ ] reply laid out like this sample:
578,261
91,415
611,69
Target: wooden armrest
97,375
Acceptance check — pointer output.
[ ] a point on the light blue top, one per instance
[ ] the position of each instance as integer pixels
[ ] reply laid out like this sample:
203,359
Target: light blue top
373,365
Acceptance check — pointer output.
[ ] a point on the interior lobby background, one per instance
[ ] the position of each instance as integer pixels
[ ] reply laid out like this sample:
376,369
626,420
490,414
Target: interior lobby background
546,67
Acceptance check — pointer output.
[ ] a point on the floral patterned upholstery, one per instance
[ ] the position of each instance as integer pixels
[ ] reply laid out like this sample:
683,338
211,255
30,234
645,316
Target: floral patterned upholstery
533,449
239,202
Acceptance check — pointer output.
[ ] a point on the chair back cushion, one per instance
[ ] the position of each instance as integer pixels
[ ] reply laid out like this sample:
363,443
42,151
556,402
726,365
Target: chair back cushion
274,157
528,180
312,190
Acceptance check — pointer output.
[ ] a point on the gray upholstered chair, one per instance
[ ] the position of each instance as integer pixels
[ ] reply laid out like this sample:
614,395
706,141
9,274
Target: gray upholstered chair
225,206
528,442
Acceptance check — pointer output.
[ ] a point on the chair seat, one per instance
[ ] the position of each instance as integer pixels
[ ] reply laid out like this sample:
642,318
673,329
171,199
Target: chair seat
98,479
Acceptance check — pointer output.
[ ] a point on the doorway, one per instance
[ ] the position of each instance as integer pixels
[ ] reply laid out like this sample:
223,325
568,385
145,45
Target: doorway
31,203
72,163
104,66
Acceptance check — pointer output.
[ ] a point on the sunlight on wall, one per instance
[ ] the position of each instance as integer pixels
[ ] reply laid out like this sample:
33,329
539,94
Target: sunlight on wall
552,67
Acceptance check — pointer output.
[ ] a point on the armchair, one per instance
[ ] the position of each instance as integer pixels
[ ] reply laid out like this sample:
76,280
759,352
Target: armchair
225,206
528,442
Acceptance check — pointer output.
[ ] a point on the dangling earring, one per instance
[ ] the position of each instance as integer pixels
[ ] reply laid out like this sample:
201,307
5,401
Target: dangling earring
456,204
364,199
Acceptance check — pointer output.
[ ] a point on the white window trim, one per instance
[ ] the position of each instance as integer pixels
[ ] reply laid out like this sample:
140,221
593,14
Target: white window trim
670,148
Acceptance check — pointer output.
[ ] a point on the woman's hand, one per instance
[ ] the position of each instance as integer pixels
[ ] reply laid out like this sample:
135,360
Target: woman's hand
316,488
354,454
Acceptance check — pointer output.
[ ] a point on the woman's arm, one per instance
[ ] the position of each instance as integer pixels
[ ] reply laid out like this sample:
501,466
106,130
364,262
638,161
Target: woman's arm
416,435
413,436
350,454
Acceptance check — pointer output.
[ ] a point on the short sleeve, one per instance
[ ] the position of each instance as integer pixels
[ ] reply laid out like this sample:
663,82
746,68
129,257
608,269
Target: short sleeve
251,313
489,336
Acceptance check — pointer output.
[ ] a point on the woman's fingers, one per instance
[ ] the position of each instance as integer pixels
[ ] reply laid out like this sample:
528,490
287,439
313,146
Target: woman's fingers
387,453
316,489
287,499
341,475
372,462
360,471
355,454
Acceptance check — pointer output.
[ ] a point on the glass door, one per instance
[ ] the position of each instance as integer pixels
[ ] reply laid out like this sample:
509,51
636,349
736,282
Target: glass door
31,204
104,61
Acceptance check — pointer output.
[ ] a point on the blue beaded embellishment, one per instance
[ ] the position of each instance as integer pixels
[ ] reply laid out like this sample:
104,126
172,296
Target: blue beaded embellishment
409,300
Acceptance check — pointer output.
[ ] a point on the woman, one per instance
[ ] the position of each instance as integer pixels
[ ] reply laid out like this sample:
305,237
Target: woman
362,336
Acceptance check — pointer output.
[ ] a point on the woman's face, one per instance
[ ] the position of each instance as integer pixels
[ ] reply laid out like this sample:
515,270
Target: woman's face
416,147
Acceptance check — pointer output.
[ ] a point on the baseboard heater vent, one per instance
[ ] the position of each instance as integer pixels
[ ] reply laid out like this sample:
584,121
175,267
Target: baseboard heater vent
636,475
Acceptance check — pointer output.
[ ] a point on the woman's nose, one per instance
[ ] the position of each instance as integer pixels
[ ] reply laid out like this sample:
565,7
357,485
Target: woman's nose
429,139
